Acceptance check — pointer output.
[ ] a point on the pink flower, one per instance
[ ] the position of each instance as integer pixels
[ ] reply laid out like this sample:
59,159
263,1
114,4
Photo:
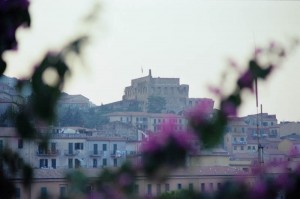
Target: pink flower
229,108
259,190
157,141
125,179
246,80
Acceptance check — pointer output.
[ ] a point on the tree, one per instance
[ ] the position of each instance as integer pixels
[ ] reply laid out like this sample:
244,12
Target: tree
70,117
156,104
8,118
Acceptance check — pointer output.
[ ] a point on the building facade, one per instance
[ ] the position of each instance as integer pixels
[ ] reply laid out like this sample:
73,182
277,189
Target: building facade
175,94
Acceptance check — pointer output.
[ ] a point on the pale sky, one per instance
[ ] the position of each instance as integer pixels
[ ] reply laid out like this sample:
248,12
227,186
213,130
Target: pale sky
188,39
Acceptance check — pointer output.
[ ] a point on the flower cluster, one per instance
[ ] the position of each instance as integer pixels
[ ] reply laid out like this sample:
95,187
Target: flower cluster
165,149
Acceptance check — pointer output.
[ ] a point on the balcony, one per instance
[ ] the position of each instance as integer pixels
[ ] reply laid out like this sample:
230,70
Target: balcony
71,153
118,154
239,142
96,153
132,153
47,153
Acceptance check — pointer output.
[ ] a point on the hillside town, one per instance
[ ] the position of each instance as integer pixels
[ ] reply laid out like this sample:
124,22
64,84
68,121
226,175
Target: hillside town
90,137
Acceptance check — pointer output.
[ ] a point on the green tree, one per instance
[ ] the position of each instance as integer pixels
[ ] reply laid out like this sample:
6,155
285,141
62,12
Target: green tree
8,118
156,104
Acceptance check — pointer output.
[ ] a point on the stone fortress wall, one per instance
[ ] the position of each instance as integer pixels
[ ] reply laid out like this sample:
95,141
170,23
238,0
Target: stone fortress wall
175,94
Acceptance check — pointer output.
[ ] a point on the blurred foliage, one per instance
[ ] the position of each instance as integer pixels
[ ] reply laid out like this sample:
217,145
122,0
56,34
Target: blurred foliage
13,14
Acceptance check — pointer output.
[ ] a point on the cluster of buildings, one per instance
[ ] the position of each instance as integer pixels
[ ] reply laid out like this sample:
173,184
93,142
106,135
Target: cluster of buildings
110,145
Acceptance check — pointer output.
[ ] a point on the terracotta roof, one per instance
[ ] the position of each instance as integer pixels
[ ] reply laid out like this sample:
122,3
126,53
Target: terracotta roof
209,171
165,115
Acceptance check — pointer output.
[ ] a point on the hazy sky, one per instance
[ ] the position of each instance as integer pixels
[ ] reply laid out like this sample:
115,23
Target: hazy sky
188,39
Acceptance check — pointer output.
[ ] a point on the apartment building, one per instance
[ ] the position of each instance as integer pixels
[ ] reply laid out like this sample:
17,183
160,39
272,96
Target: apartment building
67,149
148,121
203,179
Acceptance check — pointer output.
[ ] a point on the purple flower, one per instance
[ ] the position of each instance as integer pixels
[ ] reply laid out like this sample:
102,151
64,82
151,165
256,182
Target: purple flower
229,108
283,181
259,190
124,179
200,113
246,80
157,141
215,90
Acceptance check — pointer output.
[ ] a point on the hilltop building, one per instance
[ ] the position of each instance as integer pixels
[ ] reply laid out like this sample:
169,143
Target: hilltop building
74,101
175,94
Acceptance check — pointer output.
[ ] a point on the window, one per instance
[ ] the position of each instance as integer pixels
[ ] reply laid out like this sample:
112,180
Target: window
115,162
94,163
242,148
53,147
211,186
104,147
104,162
179,186
95,149
136,188
53,163
167,187
158,189
62,191
44,192
43,163
77,163
41,149
1,145
202,186
17,193
20,143
234,148
249,147
19,162
234,139
115,148
70,163
245,169
149,189
191,186
70,148
253,147
78,146
242,139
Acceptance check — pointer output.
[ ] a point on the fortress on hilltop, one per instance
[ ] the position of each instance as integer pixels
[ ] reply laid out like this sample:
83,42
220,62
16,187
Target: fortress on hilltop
175,94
